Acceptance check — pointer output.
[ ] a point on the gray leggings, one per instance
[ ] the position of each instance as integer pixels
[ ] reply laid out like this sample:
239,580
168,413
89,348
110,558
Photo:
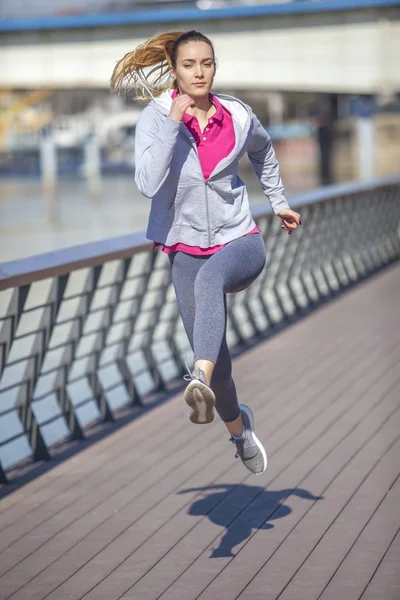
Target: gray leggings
201,284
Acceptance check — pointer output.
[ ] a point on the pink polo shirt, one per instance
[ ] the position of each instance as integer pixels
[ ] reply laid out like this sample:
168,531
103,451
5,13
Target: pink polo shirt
214,143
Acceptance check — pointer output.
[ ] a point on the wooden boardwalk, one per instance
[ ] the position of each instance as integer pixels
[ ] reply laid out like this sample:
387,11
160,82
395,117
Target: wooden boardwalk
161,509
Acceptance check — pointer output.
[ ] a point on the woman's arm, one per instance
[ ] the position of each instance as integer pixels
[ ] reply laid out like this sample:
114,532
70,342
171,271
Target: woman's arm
262,156
154,147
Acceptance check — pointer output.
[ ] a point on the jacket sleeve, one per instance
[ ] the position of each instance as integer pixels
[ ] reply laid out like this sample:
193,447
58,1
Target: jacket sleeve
262,156
154,147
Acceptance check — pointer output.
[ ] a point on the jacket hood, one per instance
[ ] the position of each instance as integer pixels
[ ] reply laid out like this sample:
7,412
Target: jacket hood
236,107
163,103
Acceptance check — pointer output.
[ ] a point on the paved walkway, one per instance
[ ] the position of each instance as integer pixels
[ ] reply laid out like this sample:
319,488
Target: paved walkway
161,509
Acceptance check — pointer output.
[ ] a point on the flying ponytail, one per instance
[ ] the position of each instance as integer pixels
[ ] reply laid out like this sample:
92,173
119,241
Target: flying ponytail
148,66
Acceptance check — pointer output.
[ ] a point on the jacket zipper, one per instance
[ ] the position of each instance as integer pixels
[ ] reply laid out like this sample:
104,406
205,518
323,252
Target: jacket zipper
205,188
208,216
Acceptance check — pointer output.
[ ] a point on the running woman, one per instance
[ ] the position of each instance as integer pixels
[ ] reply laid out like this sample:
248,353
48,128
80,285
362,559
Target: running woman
188,145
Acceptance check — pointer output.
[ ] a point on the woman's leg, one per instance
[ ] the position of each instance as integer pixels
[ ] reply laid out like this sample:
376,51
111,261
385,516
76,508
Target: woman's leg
231,269
184,269
201,284
198,394
224,388
187,272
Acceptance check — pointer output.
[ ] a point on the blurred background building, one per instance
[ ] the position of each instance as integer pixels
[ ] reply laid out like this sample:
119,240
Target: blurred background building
321,75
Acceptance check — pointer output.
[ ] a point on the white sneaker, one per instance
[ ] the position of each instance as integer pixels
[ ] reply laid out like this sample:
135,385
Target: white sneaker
249,448
200,397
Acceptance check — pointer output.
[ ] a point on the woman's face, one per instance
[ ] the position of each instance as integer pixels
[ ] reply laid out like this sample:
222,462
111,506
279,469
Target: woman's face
195,69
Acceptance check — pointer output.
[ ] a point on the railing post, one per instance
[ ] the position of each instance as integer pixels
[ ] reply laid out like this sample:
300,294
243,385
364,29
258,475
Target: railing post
76,431
10,322
40,451
3,476
99,396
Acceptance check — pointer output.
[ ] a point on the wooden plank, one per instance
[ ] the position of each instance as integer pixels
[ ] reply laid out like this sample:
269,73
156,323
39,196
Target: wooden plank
319,542
386,580
151,575
85,549
355,573
188,566
146,556
232,580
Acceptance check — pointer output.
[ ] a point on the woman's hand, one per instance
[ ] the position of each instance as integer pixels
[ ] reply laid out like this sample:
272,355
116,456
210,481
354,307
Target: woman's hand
180,104
290,220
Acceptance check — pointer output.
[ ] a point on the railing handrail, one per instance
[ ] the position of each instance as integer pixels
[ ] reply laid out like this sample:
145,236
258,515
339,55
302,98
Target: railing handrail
24,271
329,192
59,262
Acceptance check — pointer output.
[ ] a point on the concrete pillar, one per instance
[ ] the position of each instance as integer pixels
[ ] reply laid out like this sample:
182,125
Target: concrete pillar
92,167
276,107
365,136
48,171
326,119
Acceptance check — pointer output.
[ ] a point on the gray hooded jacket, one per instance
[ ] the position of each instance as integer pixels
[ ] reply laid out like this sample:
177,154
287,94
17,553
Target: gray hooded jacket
185,207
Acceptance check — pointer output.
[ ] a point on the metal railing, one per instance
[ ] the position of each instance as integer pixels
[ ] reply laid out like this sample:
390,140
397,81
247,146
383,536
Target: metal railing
92,329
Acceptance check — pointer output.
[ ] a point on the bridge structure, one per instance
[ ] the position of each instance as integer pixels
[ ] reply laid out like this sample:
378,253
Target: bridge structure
108,491
338,46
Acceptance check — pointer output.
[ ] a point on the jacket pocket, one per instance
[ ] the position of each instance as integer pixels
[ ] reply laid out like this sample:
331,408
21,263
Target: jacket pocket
232,197
190,207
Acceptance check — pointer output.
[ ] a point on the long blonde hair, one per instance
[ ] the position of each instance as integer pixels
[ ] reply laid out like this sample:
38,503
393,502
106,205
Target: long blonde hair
147,67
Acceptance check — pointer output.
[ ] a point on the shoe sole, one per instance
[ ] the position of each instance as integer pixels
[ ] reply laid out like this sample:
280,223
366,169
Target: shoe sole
249,414
200,398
